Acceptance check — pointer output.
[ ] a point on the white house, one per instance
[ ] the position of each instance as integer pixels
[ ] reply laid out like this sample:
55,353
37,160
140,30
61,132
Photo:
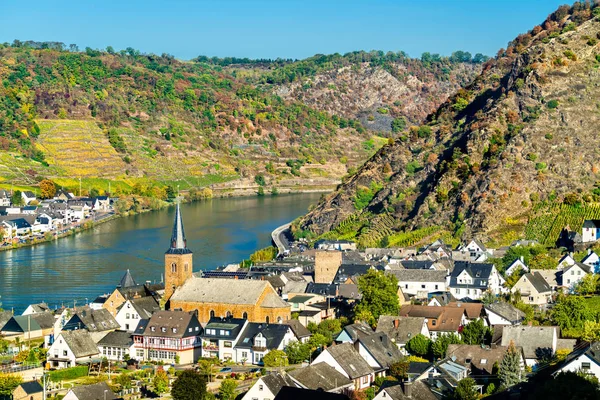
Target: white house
586,360
5,196
117,345
71,347
593,260
406,390
36,309
538,342
518,263
27,196
347,361
43,223
474,251
18,227
267,387
502,313
566,261
471,280
97,391
572,275
133,311
421,282
257,339
220,337
590,231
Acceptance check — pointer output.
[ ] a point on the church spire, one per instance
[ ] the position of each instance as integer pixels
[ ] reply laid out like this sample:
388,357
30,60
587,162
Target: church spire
178,241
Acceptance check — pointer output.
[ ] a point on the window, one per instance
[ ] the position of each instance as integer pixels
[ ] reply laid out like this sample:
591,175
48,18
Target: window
422,286
483,361
185,267
227,344
260,387
457,291
245,315
126,327
364,379
244,354
267,319
585,365
212,313
64,353
197,329
433,322
228,314
468,361
163,329
152,328
436,288
174,330
128,305
127,316
190,330
406,286
174,267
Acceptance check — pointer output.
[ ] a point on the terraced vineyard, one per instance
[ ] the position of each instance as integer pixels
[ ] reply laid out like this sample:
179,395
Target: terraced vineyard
546,226
79,149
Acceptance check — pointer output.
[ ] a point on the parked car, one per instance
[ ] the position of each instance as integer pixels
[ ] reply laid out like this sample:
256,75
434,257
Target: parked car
225,370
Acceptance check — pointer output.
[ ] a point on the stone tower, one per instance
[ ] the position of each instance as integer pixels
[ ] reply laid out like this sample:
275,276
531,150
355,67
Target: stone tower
178,259
327,263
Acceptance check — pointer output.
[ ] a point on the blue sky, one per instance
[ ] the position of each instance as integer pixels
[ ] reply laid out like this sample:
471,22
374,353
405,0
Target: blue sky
275,28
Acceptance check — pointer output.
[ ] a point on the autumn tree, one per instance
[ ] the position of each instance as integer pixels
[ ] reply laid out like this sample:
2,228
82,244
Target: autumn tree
47,188
161,382
8,383
379,295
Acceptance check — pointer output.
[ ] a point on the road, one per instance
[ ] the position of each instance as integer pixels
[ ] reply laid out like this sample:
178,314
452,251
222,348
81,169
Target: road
280,239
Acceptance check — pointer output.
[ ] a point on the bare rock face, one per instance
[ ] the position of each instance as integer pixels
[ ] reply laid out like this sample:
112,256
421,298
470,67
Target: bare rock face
407,89
525,130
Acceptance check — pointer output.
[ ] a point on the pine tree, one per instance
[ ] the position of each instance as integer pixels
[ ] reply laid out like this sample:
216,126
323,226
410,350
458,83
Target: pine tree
510,372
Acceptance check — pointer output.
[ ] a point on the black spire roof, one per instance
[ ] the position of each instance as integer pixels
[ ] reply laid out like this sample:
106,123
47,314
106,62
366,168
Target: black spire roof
178,241
127,280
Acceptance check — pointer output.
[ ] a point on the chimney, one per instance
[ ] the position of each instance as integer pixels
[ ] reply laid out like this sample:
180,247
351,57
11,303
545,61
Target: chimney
396,323
408,388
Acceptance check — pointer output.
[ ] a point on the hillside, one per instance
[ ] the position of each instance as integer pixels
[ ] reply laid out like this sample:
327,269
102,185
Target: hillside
495,156
127,117
386,92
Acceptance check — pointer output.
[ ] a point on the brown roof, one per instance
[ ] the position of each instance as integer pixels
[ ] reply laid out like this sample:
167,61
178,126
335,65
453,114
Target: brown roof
479,359
474,310
172,324
441,319
421,311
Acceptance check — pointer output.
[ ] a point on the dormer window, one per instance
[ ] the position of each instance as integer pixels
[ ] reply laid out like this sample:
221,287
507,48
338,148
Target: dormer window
163,329
174,330
153,329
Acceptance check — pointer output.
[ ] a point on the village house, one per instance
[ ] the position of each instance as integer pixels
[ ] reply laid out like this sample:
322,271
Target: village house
169,336
533,289
220,336
590,231
133,311
473,251
268,386
440,320
128,289
97,322
256,340
300,331
21,327
480,359
593,260
18,227
36,308
28,391
97,391
586,360
72,347
378,351
401,329
421,282
538,342
502,313
406,391
28,196
43,223
471,280
573,274
566,261
116,345
340,245
350,333
347,361
62,194
5,197
473,311
518,264
321,376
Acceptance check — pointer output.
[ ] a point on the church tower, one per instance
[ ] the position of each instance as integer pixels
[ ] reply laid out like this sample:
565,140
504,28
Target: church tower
178,259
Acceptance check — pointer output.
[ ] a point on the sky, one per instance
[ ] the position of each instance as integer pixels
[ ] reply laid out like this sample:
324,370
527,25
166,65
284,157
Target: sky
275,28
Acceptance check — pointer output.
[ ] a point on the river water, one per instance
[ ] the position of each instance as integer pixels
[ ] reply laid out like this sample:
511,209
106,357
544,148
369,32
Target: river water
219,231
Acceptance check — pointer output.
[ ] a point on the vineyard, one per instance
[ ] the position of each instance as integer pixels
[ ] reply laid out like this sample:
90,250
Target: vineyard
547,225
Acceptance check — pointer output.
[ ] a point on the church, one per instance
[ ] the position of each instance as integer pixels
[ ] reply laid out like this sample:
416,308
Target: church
254,300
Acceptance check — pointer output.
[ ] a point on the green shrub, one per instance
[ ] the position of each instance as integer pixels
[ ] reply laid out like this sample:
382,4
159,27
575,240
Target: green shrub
68,373
549,136
382,110
570,55
552,104
413,167
540,166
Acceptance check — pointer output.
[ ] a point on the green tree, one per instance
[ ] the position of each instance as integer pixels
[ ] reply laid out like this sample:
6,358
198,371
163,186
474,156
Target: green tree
297,352
227,390
419,345
8,383
205,367
399,369
566,386
275,358
465,390
3,344
510,372
260,180
440,346
189,385
161,382
16,199
475,332
542,261
588,285
398,124
124,380
571,312
379,294
591,331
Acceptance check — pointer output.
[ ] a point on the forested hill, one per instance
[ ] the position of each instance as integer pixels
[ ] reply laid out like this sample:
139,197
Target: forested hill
513,154
66,113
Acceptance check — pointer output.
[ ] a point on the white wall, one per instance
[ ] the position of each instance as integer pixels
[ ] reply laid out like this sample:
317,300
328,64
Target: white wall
575,366
127,317
58,349
416,288
259,391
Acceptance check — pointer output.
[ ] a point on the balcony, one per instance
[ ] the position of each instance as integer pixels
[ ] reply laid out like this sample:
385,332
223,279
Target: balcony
210,347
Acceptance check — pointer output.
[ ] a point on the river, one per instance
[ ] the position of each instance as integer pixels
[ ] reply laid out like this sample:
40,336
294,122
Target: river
91,263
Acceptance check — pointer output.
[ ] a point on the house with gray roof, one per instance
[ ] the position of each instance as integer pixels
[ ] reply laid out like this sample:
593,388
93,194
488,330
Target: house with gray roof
116,345
133,311
256,340
36,308
533,289
479,359
350,333
470,280
22,327
97,391
572,275
268,386
71,348
503,313
321,376
401,329
300,331
97,322
347,361
378,351
420,283
538,342
586,360
32,390
406,391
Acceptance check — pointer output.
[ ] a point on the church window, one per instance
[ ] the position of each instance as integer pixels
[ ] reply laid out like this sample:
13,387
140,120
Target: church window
212,313
228,314
279,320
174,267
267,319
245,315
185,267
